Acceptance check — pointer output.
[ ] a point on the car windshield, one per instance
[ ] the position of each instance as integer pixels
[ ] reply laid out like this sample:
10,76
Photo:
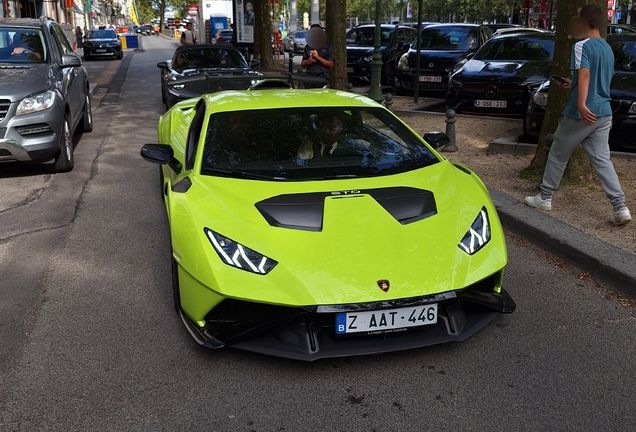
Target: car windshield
22,45
624,55
311,144
364,37
208,58
450,38
518,48
101,34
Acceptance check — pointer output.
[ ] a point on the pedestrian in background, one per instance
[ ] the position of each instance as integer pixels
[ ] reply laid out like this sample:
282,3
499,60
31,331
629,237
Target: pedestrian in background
79,37
187,36
318,56
587,117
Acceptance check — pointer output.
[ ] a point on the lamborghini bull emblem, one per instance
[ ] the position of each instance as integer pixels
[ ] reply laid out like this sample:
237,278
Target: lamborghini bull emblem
384,285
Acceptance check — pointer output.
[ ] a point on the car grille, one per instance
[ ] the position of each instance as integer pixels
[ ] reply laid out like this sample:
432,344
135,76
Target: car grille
34,130
4,108
481,91
435,86
2,132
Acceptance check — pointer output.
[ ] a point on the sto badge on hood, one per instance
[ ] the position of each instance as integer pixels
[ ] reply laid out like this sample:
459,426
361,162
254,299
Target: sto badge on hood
384,285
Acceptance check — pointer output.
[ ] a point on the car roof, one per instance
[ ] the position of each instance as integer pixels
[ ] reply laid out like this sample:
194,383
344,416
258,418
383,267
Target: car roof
434,26
20,22
243,100
385,26
523,31
219,45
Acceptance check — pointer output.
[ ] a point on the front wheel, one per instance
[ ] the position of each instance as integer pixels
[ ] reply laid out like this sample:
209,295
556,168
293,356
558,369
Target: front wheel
87,120
65,160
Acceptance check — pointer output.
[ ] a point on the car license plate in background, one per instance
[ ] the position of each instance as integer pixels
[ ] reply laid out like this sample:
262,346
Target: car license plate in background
349,70
100,50
387,319
427,78
490,104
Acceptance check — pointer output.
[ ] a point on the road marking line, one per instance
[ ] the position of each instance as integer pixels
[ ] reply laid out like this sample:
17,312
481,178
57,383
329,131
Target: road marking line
105,77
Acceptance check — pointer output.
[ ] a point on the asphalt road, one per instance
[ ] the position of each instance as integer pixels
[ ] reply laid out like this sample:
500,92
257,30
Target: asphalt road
89,340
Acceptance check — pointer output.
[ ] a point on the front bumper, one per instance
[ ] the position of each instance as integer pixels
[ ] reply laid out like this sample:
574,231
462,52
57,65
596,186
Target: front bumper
102,51
406,80
359,68
308,333
31,137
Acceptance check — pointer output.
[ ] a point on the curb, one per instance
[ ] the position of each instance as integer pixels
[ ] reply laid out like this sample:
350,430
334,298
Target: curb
604,261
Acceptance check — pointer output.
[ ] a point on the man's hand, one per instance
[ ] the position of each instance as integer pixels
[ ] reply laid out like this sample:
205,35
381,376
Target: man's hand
565,83
587,115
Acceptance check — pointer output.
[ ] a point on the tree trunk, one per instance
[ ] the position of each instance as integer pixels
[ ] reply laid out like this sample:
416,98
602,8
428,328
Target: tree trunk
579,169
263,34
336,9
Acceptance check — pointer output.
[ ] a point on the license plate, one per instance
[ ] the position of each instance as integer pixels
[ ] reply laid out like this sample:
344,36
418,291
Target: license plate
428,78
491,104
381,321
100,50
349,70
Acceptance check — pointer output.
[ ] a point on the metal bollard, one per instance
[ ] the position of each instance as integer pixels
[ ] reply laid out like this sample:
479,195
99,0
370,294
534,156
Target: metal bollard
388,101
450,131
291,62
349,87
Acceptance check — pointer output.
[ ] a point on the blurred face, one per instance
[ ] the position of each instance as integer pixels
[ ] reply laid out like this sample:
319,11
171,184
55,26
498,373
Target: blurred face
189,26
331,127
248,7
579,28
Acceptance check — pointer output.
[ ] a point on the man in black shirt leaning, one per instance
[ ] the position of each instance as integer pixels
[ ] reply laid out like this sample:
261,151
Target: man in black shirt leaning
317,61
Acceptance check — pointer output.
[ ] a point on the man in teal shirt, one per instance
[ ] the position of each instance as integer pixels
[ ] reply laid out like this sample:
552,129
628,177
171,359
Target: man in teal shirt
587,118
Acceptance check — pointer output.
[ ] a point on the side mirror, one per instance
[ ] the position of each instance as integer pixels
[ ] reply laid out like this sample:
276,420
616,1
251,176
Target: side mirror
161,154
255,64
71,60
163,65
436,139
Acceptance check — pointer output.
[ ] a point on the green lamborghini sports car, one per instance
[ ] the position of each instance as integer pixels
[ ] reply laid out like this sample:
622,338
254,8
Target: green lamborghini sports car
315,223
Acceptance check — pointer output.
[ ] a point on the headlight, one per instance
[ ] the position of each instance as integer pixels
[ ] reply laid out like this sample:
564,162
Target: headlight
403,64
478,234
632,109
236,255
178,86
540,98
367,59
36,103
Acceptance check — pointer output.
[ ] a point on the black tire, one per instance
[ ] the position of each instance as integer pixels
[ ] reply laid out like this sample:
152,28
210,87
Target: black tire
87,118
176,294
163,94
120,56
295,49
389,75
64,161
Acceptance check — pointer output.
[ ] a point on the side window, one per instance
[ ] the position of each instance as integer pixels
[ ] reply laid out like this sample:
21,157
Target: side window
194,135
410,36
61,38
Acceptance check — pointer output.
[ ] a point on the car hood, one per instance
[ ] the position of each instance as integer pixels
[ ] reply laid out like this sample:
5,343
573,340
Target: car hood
356,52
624,86
19,81
102,41
439,59
522,71
359,243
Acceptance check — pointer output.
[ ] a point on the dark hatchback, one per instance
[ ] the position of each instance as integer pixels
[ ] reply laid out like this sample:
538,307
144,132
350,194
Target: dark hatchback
201,63
442,47
500,78
360,46
102,43
622,92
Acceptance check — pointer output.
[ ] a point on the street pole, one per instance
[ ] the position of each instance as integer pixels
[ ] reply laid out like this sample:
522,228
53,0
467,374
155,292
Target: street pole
375,91
419,47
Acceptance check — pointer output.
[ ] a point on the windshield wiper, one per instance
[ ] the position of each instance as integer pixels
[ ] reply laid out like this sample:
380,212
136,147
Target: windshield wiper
241,174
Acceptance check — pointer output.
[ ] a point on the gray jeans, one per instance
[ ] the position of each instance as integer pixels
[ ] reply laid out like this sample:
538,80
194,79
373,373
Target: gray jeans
594,139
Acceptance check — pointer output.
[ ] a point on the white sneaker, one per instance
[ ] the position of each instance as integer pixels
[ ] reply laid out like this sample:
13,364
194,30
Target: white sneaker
537,202
622,216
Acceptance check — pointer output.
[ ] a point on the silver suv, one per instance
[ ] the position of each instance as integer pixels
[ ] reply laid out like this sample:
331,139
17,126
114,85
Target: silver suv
44,93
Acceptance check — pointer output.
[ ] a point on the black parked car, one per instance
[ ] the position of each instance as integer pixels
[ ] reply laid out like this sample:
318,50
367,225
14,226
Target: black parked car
623,94
442,47
44,93
500,78
360,46
102,43
202,63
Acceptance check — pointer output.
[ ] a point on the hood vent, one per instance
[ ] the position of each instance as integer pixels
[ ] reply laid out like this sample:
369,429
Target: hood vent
306,211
